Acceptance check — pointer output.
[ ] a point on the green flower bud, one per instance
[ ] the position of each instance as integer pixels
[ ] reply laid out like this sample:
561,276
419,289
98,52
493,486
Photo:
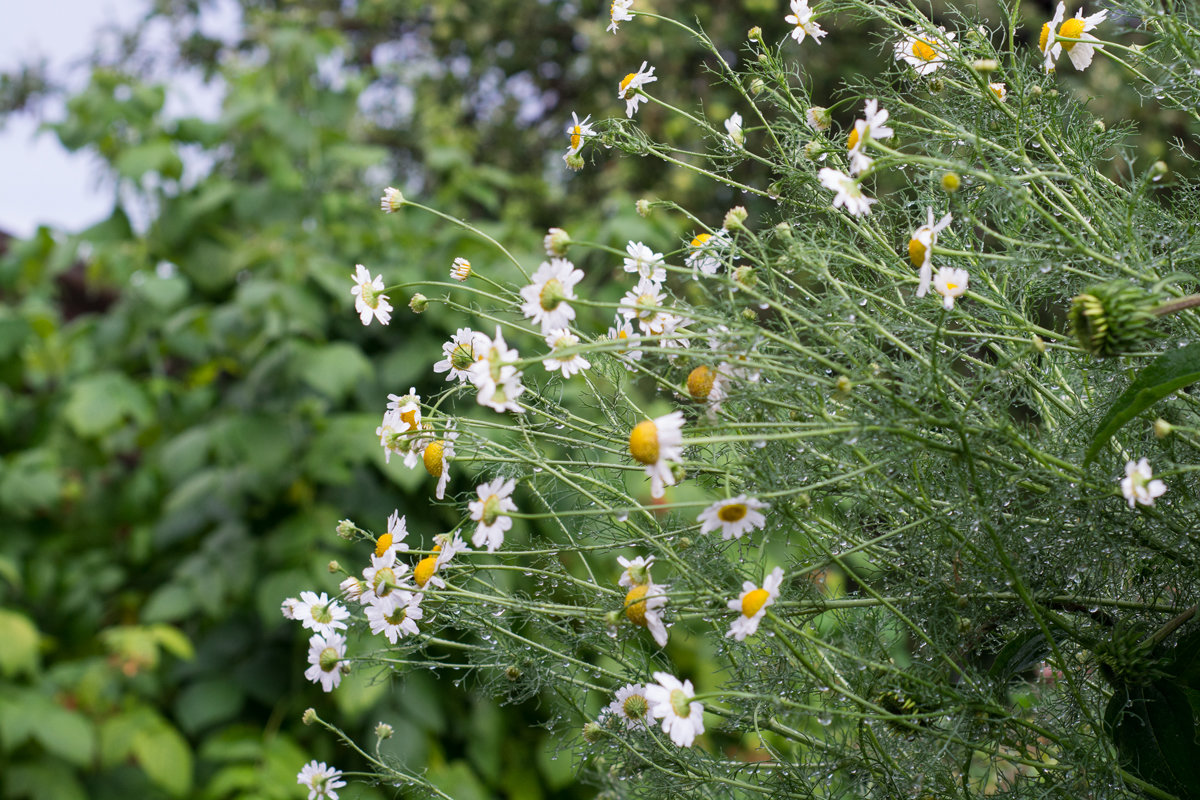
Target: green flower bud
1112,317
734,218
418,303
1162,428
755,34
950,182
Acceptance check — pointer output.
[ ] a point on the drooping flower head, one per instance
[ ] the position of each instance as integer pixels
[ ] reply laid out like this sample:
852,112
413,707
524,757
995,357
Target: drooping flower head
733,129
618,12
643,607
802,22
578,132
460,270
495,375
752,605
629,86
849,193
437,457
920,248
1080,52
369,299
706,251
464,349
654,443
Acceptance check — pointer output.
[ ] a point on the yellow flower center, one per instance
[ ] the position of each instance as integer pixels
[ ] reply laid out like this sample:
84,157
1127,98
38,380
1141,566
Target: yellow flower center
625,83
382,544
385,579
1071,29
576,135
753,602
434,463
700,383
409,418
923,50
950,287
916,252
551,295
643,442
732,512
700,239
852,139
424,570
621,334
1044,37
681,704
649,300
635,604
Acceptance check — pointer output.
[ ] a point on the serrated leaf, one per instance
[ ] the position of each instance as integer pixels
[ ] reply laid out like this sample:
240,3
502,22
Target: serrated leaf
1154,731
1168,373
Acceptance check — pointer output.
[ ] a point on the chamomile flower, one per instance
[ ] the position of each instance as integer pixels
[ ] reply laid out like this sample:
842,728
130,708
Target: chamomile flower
395,615
925,53
705,252
546,299
393,538
407,408
320,780
460,270
866,129
618,12
578,132
493,373
352,588
637,570
291,608
950,282
920,247
490,511
320,614
464,349
1137,485
1000,90
733,128
671,701
391,201
445,548
752,603
622,331
643,607
369,299
708,385
437,457
382,577
630,707
849,193
644,302
801,19
654,443
560,340
1080,52
325,656
733,517
630,86
818,118
644,262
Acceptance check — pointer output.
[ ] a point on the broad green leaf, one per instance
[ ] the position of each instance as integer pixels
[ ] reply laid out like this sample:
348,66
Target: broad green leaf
458,781
174,641
67,734
101,402
20,637
31,482
207,702
1166,374
1020,653
155,156
165,757
1154,731
42,780
334,369
169,603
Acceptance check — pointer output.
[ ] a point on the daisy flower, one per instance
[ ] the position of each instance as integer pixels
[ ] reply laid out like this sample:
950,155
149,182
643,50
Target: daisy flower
382,576
924,53
618,12
391,200
849,193
437,457
623,332
643,607
320,780
637,570
393,539
395,615
445,548
630,86
818,118
671,701
950,283
733,127
752,603
578,132
560,340
871,127
644,303
1080,52
1000,90
325,654
670,336
464,349
654,442
801,18
733,517
407,408
556,241
495,498
645,262
920,247
1137,485
493,373
320,614
352,588
292,608
630,707
706,250
460,270
369,299
546,298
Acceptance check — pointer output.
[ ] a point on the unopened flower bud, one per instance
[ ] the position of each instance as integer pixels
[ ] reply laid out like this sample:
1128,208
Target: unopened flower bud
383,731
418,303
1112,317
745,275
763,58
1039,343
309,716
1099,126
592,733
985,65
556,242
749,314
734,218
783,230
936,85
844,385
1158,169
512,672
345,529
813,149
643,207
951,182
1035,91
1162,428
757,86
335,567
755,34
